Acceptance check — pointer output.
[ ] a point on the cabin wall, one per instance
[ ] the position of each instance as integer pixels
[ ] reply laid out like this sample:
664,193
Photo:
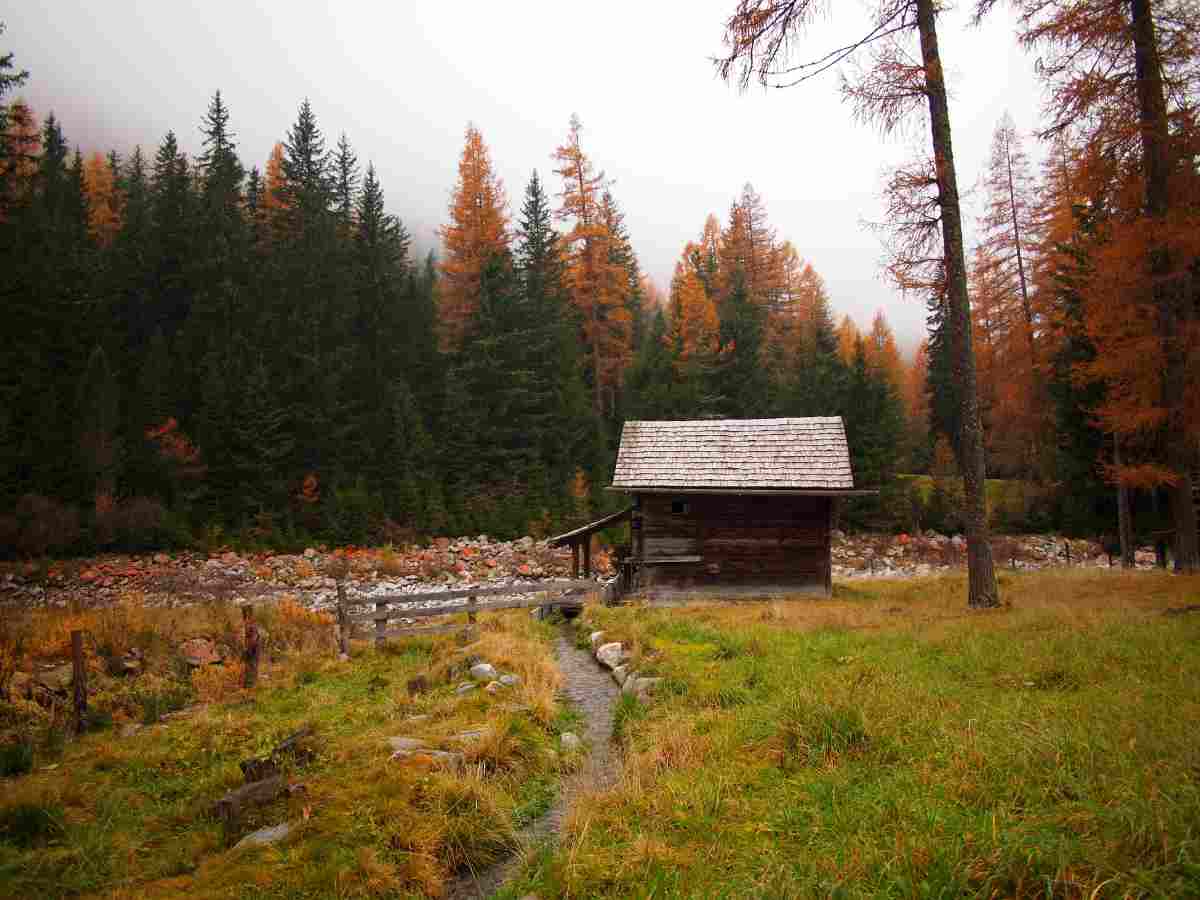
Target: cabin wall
724,541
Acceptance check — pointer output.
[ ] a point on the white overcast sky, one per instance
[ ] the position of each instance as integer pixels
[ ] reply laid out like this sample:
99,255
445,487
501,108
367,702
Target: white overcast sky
403,79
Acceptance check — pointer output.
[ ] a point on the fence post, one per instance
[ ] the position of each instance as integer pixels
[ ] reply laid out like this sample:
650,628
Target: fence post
252,647
380,624
342,625
79,681
471,604
1067,551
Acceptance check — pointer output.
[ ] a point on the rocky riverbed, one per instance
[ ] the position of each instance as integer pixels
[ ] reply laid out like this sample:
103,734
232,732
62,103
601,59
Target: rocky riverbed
311,576
931,553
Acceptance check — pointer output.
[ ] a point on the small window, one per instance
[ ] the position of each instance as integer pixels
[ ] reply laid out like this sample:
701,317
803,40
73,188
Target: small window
680,507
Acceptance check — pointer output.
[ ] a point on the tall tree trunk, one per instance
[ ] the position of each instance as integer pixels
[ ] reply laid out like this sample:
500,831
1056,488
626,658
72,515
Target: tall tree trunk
981,574
1169,295
1124,511
1026,308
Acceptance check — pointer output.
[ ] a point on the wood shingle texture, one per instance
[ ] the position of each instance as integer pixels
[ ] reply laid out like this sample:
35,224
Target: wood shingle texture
794,454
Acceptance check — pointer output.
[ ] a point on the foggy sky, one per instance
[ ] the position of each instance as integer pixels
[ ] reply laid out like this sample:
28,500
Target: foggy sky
403,79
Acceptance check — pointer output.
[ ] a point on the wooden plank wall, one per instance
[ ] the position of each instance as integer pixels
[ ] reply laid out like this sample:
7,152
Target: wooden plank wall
741,540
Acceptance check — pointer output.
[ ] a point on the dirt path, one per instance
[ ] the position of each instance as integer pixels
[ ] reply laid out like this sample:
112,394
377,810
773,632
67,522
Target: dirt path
591,691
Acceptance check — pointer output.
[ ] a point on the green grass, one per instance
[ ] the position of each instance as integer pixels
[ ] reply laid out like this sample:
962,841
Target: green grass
887,743
128,817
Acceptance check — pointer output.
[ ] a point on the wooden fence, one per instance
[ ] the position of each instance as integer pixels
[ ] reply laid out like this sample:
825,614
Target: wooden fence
517,597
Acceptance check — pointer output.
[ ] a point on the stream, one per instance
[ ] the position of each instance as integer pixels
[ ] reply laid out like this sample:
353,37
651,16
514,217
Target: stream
591,691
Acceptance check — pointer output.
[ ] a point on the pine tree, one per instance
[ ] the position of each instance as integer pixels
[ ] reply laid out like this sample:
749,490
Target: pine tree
345,175
98,412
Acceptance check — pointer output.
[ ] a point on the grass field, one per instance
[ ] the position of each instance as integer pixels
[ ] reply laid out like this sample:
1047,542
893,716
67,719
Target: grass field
885,743
888,743
128,817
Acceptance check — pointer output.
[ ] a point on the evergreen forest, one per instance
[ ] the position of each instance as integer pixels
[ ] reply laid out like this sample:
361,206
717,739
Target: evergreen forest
201,349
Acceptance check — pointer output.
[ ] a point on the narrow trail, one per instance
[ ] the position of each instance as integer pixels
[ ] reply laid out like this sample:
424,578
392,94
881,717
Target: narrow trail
592,692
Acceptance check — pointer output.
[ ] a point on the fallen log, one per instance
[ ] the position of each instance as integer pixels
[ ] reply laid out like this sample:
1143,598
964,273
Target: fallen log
258,793
263,767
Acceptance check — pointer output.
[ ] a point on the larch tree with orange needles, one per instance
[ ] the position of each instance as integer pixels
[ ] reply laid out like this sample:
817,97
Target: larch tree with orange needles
903,75
597,282
847,339
1122,80
695,329
478,231
103,197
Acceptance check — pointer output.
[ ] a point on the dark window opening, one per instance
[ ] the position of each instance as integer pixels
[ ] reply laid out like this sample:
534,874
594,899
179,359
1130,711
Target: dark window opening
680,507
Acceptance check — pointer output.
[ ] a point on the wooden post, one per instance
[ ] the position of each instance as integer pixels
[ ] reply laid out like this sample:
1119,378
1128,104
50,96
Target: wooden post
342,624
79,681
587,556
380,625
574,559
251,659
471,604
1067,551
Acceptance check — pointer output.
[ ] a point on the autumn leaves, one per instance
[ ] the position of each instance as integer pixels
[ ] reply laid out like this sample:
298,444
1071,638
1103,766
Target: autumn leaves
599,271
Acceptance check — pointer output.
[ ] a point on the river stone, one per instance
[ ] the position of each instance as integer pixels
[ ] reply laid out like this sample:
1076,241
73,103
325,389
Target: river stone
444,759
484,672
596,637
267,835
640,687
56,679
620,673
200,652
570,741
611,655
402,744
466,687
510,680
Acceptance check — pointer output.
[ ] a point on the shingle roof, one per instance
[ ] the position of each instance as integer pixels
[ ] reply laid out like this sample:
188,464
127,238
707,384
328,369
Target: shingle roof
732,454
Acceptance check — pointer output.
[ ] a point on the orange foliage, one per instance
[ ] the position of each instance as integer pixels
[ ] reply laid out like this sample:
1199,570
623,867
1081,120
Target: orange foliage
310,490
24,141
176,449
478,231
598,285
882,354
273,193
103,198
216,683
847,336
695,328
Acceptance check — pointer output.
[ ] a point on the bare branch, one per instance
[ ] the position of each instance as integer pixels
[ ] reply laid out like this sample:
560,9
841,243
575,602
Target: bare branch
761,35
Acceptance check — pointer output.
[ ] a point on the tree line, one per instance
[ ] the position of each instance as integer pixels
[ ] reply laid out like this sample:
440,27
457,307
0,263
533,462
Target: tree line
210,351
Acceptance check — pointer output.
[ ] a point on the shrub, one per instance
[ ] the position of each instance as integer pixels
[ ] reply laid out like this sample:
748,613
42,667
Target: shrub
215,683
40,525
139,523
30,824
16,758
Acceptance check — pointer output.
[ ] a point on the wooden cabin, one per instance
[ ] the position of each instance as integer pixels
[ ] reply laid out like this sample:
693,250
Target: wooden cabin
733,507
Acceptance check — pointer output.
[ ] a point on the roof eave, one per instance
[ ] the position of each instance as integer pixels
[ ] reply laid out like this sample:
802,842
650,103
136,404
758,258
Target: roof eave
764,491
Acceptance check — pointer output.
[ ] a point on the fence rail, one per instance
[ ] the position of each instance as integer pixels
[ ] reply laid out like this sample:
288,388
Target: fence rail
402,605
